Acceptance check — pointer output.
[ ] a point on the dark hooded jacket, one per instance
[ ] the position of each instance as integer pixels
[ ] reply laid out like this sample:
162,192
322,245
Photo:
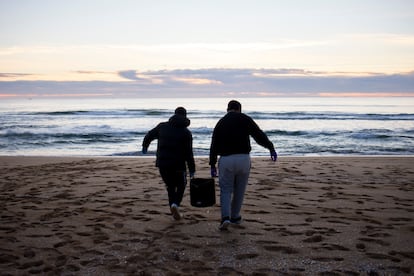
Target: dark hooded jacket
232,136
175,144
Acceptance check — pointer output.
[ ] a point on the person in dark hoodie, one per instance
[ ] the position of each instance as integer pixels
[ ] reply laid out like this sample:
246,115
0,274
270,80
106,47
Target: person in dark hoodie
174,154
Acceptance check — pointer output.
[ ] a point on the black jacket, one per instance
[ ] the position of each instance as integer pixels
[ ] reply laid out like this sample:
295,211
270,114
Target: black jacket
231,136
175,144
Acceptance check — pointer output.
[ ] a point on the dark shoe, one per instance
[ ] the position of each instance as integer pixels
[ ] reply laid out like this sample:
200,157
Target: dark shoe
225,222
174,211
236,220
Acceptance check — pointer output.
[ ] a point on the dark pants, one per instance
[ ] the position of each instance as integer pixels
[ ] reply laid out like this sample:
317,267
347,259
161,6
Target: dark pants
175,181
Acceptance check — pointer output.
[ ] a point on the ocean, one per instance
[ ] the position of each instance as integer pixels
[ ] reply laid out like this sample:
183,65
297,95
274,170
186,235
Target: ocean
314,126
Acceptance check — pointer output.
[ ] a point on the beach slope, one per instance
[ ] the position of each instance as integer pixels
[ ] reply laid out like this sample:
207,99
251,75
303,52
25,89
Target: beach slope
302,215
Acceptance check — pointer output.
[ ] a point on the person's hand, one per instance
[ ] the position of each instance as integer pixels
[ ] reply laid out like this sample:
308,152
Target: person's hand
192,175
144,150
273,155
213,171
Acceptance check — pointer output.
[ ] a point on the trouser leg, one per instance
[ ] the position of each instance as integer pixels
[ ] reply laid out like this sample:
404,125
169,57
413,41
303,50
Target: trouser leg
175,182
226,181
240,184
234,173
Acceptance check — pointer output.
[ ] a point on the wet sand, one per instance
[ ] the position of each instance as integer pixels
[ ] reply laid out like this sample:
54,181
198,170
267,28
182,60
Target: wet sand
302,216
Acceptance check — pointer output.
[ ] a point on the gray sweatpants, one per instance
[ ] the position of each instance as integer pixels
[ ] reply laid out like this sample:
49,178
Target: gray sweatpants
234,173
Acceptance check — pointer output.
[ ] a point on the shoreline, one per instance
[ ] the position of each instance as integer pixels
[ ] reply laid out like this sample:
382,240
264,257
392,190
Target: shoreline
301,215
35,159
206,156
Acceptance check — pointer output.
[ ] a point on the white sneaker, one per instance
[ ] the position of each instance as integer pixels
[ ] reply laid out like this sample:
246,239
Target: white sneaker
174,211
224,224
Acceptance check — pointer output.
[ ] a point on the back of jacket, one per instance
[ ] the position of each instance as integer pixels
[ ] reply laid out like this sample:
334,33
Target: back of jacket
232,136
175,144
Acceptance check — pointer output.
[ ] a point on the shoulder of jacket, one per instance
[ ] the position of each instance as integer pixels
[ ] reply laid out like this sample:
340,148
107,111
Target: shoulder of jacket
244,116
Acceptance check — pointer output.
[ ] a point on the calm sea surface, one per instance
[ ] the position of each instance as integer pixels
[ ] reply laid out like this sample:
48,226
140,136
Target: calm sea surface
297,126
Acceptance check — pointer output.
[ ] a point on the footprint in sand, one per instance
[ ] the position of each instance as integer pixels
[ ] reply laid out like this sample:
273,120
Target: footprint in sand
361,247
379,256
118,225
246,256
328,259
283,249
317,238
376,241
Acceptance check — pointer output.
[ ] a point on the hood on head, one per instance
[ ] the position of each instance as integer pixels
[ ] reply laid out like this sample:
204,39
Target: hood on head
178,120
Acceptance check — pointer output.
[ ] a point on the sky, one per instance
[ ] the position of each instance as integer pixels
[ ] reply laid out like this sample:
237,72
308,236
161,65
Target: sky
190,48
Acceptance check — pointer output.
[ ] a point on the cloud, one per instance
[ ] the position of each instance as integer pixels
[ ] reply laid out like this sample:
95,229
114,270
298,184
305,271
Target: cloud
143,79
224,82
198,81
90,72
13,75
159,77
129,74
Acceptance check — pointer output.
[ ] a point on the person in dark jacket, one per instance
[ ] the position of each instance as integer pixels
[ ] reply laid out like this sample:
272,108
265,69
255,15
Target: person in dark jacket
174,154
231,140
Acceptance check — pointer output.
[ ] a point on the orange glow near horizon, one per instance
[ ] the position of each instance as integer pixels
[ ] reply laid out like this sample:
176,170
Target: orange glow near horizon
10,95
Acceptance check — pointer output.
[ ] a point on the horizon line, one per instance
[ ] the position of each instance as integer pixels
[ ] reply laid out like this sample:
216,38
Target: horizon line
258,95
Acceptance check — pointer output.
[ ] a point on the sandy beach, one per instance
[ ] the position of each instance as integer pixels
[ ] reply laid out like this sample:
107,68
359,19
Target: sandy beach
302,216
